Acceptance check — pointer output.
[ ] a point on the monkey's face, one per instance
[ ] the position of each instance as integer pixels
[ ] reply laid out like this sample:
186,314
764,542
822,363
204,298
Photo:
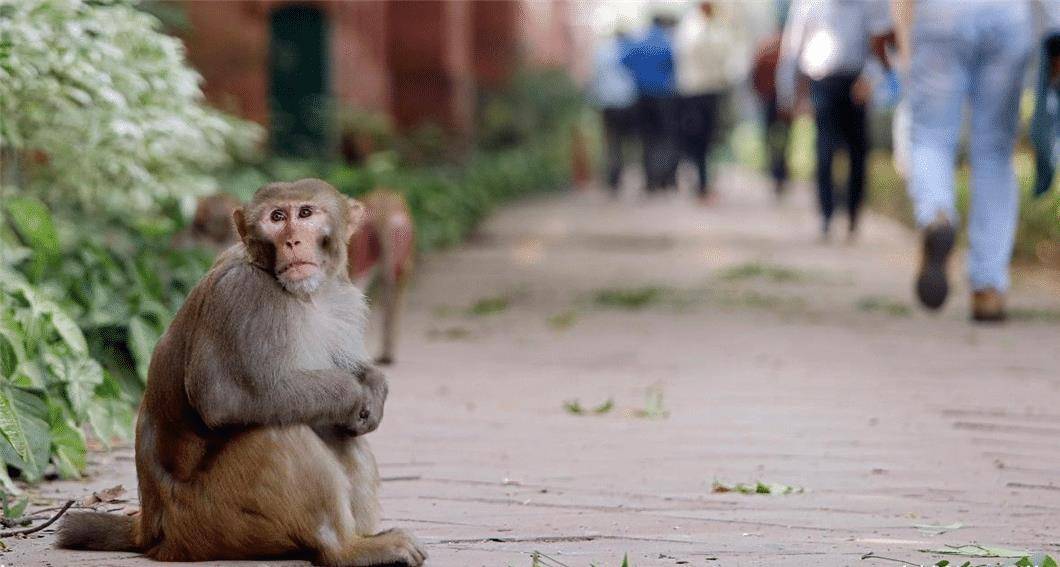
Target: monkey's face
299,233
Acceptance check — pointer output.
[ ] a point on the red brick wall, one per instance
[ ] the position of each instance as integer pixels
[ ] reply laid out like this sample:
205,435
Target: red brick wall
418,60
229,44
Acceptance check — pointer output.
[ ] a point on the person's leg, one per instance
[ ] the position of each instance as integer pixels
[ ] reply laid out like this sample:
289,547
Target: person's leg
693,137
613,145
822,95
937,85
670,121
858,145
649,140
711,108
775,130
996,80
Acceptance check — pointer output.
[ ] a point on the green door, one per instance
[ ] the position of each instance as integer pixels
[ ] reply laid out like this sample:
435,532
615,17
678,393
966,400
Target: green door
298,79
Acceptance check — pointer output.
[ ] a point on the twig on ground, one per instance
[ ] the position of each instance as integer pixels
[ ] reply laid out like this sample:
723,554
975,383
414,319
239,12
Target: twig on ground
27,531
871,555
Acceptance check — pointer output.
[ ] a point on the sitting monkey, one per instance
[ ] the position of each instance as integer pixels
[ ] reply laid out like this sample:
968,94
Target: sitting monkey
249,439
382,250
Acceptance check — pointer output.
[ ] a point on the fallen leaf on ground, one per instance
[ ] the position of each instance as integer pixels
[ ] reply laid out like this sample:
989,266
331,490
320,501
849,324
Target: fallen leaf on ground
938,529
756,488
112,494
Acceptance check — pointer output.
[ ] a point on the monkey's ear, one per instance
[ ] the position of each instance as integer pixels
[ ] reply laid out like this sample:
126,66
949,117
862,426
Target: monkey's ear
241,223
357,216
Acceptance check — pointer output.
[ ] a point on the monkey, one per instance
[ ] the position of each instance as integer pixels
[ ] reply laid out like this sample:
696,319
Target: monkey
211,227
249,440
383,250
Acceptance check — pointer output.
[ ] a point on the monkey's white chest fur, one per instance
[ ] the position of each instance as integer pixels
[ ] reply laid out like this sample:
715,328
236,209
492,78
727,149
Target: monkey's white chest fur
329,332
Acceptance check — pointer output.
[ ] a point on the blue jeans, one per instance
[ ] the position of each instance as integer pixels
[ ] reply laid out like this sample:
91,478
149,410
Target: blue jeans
974,52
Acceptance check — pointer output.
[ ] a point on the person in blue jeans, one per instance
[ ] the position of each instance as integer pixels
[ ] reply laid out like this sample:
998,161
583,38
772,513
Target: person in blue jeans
974,53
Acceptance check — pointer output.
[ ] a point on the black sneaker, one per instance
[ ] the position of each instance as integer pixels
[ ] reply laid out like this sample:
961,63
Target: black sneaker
931,284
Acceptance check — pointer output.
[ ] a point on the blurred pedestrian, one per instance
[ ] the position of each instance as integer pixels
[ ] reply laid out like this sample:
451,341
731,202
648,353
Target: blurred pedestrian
828,41
650,60
776,121
710,56
614,92
1045,123
974,53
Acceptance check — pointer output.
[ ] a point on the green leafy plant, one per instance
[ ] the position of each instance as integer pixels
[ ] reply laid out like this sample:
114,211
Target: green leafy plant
49,387
101,110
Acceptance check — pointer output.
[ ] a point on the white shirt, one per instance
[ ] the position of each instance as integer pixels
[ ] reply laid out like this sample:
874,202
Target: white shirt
827,38
710,55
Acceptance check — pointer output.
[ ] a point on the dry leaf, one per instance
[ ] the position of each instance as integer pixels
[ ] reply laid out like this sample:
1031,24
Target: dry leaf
112,494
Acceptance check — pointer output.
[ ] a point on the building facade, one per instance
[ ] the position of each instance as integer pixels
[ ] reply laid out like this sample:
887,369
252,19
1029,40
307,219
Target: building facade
286,64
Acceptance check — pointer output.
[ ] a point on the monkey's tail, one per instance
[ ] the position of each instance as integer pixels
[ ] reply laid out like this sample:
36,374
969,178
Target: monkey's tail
99,531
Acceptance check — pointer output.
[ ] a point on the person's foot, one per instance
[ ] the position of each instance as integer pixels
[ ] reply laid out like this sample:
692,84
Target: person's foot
932,285
826,231
988,306
708,199
852,232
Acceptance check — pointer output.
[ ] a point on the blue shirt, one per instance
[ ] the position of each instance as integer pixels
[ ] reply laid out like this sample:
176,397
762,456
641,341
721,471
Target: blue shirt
651,60
612,84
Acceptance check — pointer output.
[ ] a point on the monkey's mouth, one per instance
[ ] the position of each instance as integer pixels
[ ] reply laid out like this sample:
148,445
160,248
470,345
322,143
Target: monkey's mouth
298,269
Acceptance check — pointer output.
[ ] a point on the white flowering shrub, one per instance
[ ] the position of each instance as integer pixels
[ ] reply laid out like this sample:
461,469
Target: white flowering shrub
100,108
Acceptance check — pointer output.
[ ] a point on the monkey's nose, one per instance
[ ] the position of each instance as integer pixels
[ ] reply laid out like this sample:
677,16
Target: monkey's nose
293,243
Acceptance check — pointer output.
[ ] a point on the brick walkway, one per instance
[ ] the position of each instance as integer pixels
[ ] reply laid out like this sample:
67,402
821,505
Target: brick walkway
777,359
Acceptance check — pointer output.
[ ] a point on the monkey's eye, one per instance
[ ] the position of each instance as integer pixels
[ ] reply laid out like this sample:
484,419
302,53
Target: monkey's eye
305,212
277,216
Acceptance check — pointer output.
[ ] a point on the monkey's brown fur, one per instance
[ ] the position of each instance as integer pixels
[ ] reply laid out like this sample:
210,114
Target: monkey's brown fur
211,227
248,442
383,250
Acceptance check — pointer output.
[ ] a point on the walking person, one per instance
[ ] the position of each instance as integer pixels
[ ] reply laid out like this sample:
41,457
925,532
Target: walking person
828,41
650,60
614,92
710,56
974,53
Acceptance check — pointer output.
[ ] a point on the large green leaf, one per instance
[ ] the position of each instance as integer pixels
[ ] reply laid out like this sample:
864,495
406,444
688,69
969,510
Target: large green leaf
8,357
11,425
24,425
67,328
34,224
111,419
79,377
67,442
142,340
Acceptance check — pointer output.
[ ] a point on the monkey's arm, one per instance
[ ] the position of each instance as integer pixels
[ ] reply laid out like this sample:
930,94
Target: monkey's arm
226,393
239,369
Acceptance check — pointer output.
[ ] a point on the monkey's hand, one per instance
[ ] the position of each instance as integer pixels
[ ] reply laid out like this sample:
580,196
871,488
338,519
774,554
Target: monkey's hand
368,411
